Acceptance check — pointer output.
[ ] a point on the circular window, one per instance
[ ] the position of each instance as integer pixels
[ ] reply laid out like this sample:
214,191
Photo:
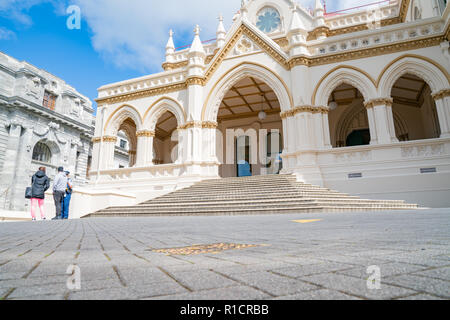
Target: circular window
268,20
42,153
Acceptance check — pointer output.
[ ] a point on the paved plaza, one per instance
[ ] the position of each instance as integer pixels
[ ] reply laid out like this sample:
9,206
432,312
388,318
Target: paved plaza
298,256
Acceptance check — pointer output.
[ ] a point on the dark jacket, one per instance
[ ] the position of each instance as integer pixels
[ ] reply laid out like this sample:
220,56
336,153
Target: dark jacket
39,184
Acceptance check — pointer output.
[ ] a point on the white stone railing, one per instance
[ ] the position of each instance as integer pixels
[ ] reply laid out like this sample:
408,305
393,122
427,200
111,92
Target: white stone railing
386,35
400,151
366,16
154,171
144,83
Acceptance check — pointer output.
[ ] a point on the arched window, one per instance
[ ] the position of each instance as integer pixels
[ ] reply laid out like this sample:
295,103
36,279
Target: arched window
42,153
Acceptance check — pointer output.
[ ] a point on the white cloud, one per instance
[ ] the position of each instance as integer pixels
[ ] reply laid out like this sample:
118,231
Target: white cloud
132,34
6,34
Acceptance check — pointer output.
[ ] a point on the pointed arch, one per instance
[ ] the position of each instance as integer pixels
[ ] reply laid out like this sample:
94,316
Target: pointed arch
428,70
340,75
158,108
121,114
237,73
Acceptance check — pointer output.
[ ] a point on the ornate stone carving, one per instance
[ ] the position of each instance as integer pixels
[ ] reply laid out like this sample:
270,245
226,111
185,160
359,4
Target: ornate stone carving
423,151
378,102
441,94
145,133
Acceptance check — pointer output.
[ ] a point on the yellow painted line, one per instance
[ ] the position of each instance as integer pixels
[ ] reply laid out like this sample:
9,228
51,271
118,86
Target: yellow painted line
307,221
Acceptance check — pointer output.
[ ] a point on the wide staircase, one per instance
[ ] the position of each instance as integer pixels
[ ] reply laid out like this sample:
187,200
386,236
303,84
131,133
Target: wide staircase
273,194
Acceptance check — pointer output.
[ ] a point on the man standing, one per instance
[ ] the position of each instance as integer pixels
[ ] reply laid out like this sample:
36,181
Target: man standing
68,196
59,190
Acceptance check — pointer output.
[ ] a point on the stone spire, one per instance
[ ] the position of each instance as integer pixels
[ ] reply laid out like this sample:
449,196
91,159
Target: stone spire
170,49
297,34
319,11
221,33
296,22
196,56
197,46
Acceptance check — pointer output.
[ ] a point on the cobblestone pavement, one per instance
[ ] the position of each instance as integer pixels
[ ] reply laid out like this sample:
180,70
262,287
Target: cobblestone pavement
325,259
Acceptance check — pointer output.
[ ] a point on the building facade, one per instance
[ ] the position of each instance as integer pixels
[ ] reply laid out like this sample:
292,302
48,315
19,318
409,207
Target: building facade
355,101
43,122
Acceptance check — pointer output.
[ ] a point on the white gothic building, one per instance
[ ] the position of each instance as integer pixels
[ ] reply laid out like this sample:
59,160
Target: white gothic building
44,122
359,102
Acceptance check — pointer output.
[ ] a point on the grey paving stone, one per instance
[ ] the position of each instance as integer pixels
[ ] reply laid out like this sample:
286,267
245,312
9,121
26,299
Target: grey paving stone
356,287
142,276
274,284
387,270
321,294
203,280
39,291
10,275
299,271
421,297
51,297
230,293
357,240
105,294
158,289
439,273
424,284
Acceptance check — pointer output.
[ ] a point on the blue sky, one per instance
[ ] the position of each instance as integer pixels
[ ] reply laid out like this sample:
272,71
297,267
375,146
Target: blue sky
118,39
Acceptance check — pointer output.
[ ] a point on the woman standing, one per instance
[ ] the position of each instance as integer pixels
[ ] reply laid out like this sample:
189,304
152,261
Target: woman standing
39,184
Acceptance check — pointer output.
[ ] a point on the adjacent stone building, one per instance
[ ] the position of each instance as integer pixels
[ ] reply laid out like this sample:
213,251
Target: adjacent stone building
43,122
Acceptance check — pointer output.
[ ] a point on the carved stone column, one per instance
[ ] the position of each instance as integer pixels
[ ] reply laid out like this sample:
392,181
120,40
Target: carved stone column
144,148
442,99
381,121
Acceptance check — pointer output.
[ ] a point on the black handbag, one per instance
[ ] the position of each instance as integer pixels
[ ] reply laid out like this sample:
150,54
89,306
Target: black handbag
28,193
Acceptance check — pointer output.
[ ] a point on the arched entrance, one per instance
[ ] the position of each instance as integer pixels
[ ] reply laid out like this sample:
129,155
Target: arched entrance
165,144
348,120
412,102
250,127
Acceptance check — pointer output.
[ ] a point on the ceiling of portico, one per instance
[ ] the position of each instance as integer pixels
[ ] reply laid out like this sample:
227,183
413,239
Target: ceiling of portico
166,124
408,90
246,99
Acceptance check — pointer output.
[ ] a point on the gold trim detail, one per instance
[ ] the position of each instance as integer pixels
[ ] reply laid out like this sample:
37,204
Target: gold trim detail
96,140
304,109
318,32
146,133
143,93
386,22
199,125
199,81
169,66
243,30
441,94
379,102
365,53
444,71
205,104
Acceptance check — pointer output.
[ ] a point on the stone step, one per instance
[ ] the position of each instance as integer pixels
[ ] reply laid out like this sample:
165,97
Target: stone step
253,195
251,211
273,204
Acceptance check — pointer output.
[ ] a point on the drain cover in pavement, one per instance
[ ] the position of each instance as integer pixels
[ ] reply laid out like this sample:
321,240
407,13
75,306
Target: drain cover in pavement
207,248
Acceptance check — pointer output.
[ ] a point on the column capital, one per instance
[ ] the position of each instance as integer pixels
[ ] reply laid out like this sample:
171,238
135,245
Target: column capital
378,102
196,80
105,139
146,133
199,124
303,109
441,94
